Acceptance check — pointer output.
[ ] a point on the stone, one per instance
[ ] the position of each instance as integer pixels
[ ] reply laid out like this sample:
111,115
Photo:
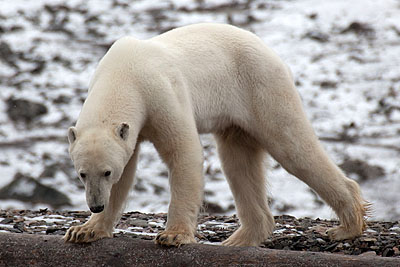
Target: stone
22,110
27,189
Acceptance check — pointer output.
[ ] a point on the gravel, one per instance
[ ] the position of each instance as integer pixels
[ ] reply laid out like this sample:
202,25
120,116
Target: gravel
380,239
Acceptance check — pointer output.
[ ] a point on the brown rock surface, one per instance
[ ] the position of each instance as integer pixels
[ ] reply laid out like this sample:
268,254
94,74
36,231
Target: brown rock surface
381,239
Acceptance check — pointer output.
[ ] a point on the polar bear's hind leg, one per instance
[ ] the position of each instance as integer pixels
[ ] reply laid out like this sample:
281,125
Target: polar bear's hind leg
293,143
242,160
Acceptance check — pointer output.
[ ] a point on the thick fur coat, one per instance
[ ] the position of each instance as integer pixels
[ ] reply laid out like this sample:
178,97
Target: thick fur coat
203,78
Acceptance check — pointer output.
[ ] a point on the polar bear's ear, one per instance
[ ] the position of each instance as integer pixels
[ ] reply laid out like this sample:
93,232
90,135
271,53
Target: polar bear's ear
71,134
123,130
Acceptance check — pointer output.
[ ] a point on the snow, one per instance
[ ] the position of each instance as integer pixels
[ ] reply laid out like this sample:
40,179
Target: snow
24,187
9,226
363,68
50,220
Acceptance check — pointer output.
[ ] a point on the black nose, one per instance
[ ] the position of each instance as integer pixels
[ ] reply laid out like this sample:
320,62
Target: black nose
97,209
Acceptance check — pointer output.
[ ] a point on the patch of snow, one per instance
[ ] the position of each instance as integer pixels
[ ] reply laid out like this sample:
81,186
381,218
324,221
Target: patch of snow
8,226
47,219
24,188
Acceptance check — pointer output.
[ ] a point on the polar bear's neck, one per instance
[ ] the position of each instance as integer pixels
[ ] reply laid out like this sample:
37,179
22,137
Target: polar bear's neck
108,105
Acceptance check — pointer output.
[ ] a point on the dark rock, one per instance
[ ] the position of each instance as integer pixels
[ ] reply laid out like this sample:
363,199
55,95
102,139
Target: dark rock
213,208
209,193
362,169
91,19
138,223
360,29
396,30
40,65
7,55
7,220
4,163
389,252
317,36
163,174
328,84
64,165
95,33
231,220
24,110
63,61
158,189
15,28
285,208
139,187
49,171
19,227
27,189
54,231
44,211
348,133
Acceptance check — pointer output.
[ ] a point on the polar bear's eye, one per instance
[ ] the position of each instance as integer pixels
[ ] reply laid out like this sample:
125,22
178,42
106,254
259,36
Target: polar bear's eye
82,175
107,173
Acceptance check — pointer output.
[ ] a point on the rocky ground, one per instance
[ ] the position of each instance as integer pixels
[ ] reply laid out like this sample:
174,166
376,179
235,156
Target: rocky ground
380,239
343,54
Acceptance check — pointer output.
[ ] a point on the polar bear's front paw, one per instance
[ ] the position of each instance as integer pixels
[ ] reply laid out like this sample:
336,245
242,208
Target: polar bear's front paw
341,233
174,238
85,234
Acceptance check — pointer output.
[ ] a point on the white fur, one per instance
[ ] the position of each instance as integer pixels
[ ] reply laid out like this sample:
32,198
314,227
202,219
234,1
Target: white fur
204,78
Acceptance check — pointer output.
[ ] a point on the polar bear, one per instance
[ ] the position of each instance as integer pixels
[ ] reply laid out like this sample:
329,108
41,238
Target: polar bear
203,78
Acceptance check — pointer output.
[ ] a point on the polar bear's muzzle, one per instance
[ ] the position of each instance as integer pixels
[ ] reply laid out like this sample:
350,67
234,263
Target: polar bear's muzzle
97,209
97,194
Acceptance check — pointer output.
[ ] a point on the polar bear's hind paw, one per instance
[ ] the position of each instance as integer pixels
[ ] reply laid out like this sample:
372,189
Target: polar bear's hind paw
341,233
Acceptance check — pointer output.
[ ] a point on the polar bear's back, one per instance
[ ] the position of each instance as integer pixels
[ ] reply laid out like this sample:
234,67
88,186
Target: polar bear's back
221,48
225,68
208,34
215,40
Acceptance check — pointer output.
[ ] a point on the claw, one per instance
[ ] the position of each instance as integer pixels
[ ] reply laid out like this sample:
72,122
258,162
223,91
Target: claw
81,236
85,234
174,238
67,236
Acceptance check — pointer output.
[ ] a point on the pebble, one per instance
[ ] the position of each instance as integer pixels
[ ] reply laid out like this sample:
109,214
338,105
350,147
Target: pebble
139,223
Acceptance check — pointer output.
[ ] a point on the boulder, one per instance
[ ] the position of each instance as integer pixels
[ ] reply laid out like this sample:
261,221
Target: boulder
27,189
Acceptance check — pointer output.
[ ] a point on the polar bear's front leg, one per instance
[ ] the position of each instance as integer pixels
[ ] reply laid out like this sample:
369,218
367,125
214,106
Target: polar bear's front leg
182,153
101,225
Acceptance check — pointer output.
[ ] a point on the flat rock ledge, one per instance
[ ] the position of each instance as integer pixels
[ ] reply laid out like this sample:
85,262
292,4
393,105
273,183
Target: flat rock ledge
34,238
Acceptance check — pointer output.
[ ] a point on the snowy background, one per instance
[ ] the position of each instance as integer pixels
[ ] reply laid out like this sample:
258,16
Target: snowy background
345,56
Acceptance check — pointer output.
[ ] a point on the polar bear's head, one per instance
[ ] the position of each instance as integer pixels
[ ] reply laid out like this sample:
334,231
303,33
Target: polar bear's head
99,157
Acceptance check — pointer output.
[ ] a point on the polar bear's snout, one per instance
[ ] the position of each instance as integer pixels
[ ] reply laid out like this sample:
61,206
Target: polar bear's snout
97,209
97,194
